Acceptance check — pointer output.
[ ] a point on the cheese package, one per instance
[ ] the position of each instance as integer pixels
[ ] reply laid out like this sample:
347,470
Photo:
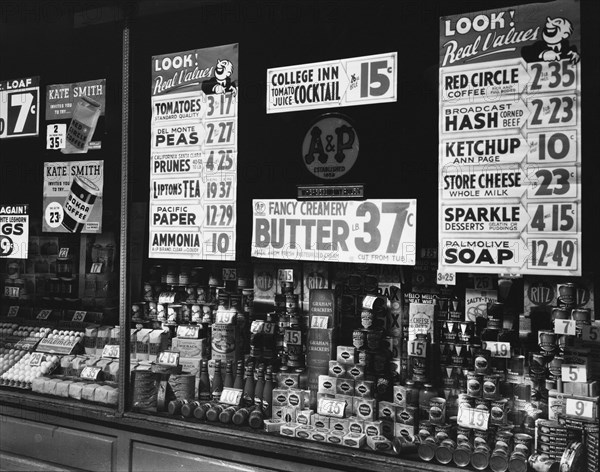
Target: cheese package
157,342
62,388
75,390
102,339
88,391
142,343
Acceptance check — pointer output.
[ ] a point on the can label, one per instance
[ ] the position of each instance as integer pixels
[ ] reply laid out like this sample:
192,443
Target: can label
359,338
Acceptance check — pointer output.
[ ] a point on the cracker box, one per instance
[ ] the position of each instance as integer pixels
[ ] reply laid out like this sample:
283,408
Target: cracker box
327,384
337,369
320,421
344,386
365,408
280,397
304,416
295,398
379,443
288,429
373,428
356,440
355,425
335,437
363,388
346,355
338,424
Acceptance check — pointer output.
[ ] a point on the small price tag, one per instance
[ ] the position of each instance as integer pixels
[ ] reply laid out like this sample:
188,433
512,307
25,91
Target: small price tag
55,136
292,337
168,358
574,373
564,327
483,282
268,328
331,407
11,292
591,333
473,418
320,322
79,316
580,408
188,331
36,359
12,311
63,253
256,326
285,275
90,373
498,349
225,317
368,302
96,268
231,396
111,350
417,348
446,278
43,314
229,274
429,253
166,297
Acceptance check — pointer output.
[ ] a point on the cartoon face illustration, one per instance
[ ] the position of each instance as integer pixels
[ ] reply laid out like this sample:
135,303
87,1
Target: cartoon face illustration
223,69
557,29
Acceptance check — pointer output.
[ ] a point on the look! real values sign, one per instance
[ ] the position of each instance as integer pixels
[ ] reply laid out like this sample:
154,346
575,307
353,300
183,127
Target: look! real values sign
193,162
510,140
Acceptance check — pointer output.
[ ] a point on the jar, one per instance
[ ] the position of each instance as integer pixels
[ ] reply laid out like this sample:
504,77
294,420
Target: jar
426,393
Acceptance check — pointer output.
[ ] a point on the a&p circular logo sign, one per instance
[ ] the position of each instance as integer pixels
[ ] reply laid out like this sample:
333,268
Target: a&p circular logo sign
330,147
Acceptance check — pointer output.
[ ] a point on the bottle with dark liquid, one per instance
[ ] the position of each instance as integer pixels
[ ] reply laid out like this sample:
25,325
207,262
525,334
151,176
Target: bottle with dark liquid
240,417
248,393
204,394
238,383
217,384
228,380
259,387
214,411
227,414
267,396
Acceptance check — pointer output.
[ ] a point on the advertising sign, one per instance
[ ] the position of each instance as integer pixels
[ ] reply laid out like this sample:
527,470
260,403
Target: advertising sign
193,162
510,141
14,231
61,98
73,197
371,231
343,82
19,107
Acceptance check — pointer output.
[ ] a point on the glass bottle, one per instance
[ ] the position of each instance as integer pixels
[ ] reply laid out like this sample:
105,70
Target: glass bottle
240,417
238,383
188,409
226,415
267,396
259,387
204,391
248,393
214,411
217,384
200,411
228,381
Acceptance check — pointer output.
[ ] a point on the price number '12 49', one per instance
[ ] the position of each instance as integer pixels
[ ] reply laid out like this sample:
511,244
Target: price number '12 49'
553,253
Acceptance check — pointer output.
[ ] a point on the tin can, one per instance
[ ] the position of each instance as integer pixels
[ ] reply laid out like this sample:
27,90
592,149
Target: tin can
499,411
462,454
450,331
555,366
82,126
427,448
499,460
445,451
543,463
474,384
482,361
582,317
480,458
426,429
525,440
466,400
463,435
366,319
402,446
567,295
359,338
411,394
491,386
547,341
443,431
481,438
517,462
537,364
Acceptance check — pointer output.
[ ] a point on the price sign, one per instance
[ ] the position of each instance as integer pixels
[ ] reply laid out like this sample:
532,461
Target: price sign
229,274
19,107
564,327
220,187
7,246
555,76
320,322
446,278
231,396
591,333
285,275
553,217
188,331
79,316
556,254
111,350
429,253
90,373
63,252
552,146
220,105
368,302
498,349
55,136
12,311
574,373
43,314
292,337
556,183
36,359
218,215
166,297
220,133
168,358
581,408
473,418
331,407
220,160
219,243
11,292
225,317
553,111
417,348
